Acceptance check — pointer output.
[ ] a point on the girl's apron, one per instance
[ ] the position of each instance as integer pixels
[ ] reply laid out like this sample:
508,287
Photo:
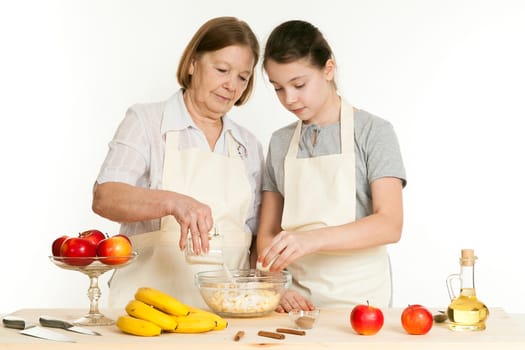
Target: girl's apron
217,180
320,192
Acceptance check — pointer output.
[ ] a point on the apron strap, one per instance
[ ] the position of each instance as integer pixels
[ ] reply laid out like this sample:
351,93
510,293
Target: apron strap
234,148
347,127
293,149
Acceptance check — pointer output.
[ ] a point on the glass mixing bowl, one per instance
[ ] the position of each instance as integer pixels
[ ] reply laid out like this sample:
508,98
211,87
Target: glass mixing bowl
242,293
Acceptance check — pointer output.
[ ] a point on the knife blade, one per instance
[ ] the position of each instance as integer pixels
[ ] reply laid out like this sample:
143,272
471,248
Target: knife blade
50,321
33,330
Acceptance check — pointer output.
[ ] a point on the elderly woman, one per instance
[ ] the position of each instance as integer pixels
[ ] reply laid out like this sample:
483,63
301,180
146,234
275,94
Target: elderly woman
180,168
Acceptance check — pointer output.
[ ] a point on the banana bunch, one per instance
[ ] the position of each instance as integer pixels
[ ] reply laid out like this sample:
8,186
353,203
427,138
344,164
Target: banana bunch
153,312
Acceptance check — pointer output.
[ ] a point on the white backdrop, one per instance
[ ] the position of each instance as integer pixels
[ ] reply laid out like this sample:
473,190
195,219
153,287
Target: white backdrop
448,74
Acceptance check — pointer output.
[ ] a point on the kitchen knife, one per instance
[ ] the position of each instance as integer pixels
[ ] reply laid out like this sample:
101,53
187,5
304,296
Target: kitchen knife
34,331
50,321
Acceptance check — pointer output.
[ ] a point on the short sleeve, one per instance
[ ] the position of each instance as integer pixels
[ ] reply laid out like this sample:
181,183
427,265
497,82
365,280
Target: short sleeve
383,154
127,159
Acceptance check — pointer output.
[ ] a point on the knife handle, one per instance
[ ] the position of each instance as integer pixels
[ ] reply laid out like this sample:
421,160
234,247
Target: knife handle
14,322
49,321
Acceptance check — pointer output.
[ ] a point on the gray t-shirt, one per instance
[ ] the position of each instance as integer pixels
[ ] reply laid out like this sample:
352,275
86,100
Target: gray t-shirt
377,154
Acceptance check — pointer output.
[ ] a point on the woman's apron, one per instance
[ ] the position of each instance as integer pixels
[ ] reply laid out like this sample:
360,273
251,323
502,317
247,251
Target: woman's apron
217,180
320,192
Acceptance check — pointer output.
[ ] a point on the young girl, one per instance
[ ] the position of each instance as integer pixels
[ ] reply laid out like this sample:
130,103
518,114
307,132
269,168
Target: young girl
333,182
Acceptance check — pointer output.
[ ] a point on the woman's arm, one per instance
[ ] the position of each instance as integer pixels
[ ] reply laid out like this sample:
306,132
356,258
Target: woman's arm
383,226
125,203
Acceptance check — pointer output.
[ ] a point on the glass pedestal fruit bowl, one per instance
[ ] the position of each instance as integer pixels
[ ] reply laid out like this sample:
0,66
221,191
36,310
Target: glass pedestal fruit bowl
93,267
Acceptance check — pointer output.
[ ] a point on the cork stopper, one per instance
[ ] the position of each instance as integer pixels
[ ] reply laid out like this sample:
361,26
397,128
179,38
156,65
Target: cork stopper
467,257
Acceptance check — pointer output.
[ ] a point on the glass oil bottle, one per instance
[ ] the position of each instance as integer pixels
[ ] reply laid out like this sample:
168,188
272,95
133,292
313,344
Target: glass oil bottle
466,312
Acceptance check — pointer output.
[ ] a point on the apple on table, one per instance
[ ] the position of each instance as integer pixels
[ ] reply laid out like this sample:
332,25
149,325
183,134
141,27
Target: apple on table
417,319
366,319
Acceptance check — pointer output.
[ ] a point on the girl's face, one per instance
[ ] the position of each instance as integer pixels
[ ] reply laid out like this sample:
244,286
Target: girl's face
303,89
219,78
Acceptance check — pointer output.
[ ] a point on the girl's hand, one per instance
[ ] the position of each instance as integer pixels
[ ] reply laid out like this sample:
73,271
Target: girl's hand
286,247
291,300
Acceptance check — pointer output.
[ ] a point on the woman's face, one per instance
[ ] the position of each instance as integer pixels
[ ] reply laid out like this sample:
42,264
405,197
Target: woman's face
219,78
302,88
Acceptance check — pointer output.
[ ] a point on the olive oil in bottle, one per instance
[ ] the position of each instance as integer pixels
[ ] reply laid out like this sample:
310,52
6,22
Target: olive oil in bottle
466,312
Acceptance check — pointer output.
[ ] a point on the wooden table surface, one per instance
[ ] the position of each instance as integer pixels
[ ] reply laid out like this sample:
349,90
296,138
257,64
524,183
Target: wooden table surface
332,331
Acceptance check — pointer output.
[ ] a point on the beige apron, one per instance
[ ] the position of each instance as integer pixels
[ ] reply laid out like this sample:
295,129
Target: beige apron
218,180
320,192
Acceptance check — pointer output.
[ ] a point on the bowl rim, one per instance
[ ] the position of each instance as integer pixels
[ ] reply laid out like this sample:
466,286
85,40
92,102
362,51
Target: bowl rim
210,278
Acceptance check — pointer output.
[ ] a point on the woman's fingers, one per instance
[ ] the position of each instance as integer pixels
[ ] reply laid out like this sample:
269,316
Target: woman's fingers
194,218
204,233
183,235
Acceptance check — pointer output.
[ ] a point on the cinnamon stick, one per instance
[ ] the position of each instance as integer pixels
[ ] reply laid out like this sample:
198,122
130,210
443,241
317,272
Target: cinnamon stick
290,331
271,335
238,336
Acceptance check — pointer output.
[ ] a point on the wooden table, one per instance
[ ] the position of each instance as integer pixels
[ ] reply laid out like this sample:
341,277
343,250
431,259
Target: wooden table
332,331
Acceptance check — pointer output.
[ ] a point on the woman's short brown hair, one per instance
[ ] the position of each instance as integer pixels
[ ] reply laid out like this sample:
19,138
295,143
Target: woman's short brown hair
216,34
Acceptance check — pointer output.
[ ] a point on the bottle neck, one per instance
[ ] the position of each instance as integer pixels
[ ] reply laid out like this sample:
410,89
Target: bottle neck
467,280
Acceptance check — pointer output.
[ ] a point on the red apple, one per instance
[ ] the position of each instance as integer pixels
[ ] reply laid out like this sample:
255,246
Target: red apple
114,250
122,235
57,243
78,251
366,319
416,319
94,236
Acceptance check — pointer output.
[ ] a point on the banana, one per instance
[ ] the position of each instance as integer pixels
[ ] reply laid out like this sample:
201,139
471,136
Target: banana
135,326
220,323
193,324
161,301
146,312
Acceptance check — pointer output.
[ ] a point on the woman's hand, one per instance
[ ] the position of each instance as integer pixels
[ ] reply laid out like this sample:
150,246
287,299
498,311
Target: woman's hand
291,300
195,217
125,203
